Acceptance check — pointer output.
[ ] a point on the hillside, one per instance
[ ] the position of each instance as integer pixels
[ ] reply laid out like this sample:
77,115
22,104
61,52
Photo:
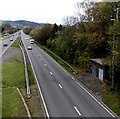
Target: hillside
22,23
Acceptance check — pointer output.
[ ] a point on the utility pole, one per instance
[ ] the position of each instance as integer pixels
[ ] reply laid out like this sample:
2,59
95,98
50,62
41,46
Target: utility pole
113,44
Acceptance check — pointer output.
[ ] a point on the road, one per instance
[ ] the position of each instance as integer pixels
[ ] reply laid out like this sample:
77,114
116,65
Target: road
8,42
63,95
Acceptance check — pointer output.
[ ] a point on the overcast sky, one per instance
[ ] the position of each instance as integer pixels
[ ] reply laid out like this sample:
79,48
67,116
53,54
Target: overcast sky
42,11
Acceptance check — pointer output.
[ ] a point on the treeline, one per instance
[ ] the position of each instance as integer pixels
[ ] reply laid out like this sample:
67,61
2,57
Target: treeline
7,28
94,34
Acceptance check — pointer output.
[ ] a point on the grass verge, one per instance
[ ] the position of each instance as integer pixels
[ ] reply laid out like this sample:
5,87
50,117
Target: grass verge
111,99
16,43
2,38
13,76
12,104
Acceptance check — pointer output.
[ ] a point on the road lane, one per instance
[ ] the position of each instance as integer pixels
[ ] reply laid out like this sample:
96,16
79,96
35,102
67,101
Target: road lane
2,42
72,100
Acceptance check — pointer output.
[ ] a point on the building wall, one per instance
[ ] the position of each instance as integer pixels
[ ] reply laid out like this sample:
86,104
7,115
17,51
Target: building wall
97,70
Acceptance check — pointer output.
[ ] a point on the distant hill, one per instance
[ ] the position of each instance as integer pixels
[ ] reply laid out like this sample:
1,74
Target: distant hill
22,23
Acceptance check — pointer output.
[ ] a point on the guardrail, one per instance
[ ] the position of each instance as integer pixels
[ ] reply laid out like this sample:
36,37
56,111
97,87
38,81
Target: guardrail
61,60
26,72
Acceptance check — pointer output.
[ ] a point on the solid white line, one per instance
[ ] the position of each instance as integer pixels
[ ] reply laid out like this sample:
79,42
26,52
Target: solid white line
51,73
82,86
96,100
77,111
45,65
37,83
8,47
73,78
60,86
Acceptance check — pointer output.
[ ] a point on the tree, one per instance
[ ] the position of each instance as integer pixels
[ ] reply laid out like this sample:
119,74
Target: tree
43,34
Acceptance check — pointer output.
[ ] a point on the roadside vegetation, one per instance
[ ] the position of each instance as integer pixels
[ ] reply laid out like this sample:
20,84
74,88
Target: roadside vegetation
16,43
85,37
111,99
12,105
66,67
93,34
7,28
13,77
2,38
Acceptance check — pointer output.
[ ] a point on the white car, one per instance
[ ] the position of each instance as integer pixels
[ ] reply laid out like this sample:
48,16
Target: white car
27,38
32,41
29,48
11,39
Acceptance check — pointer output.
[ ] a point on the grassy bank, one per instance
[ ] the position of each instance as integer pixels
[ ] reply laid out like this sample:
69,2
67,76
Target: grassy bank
111,99
13,76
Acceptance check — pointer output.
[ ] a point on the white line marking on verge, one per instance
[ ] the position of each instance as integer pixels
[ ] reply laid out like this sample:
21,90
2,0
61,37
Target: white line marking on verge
26,107
96,100
60,86
51,73
77,111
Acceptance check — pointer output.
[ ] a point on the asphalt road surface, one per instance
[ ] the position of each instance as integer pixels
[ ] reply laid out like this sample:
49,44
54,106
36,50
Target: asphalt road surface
63,95
8,42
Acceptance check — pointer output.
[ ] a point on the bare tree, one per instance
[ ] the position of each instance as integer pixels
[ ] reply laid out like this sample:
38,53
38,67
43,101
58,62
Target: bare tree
69,21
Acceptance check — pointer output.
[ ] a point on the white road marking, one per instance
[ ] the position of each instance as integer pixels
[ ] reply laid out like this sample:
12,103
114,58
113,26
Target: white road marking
60,86
51,73
8,47
41,59
38,55
77,110
45,65
72,78
37,83
100,103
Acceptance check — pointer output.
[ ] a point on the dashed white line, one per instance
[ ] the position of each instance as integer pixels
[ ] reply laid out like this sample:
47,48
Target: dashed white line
45,65
96,100
51,73
41,59
77,111
60,86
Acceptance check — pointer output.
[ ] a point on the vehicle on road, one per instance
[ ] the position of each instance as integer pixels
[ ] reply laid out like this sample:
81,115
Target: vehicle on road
11,39
5,44
27,38
29,48
32,41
